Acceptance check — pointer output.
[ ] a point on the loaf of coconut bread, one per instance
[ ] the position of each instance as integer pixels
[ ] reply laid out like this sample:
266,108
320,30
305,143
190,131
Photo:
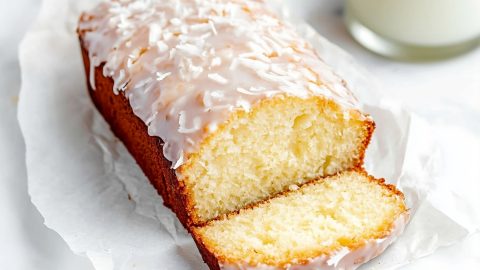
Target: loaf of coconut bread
222,104
250,138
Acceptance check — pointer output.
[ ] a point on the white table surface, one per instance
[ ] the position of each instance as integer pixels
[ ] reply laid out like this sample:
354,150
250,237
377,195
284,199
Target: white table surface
435,90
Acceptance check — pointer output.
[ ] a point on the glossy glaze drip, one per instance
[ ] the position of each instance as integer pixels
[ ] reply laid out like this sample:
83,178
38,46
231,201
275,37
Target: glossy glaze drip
344,259
185,65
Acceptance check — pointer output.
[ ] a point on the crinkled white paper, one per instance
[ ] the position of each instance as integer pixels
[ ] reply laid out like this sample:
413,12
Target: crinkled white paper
90,190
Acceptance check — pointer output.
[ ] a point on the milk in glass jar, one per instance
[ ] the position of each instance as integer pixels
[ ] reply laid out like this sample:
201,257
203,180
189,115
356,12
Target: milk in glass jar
415,29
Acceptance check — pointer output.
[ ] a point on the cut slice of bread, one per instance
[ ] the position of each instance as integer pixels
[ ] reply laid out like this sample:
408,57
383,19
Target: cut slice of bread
337,222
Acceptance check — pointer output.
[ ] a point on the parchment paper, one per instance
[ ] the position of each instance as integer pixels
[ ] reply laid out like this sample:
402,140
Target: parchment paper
90,190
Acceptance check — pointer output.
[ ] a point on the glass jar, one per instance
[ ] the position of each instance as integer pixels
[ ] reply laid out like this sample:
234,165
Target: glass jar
415,29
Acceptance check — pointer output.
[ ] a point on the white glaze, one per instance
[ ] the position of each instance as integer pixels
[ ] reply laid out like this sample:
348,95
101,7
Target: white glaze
343,259
185,65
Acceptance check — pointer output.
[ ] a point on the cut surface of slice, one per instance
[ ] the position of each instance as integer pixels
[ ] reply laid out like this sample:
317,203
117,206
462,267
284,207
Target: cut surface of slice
283,141
340,221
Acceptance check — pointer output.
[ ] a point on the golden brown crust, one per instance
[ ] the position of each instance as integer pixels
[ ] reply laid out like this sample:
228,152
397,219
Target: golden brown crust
208,257
213,260
132,131
370,129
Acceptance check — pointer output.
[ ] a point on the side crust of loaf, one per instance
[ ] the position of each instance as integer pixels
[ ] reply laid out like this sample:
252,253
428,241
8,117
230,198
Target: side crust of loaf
132,131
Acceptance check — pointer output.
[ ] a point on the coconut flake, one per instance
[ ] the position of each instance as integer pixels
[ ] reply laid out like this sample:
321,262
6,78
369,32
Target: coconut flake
172,53
234,64
207,100
161,76
189,49
200,27
217,78
254,64
155,31
212,26
247,92
182,120
175,21
161,46
167,35
188,70
218,94
216,61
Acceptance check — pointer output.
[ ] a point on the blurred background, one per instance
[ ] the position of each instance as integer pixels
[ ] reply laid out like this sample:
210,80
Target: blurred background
446,92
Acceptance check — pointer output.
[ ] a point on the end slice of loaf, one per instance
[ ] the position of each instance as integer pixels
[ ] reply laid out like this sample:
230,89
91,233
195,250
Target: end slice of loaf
339,222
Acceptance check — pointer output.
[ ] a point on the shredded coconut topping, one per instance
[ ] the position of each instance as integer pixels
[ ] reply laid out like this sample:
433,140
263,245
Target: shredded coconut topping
185,64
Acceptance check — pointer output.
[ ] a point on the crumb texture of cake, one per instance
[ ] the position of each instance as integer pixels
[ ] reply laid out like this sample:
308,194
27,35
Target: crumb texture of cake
244,106
281,143
339,222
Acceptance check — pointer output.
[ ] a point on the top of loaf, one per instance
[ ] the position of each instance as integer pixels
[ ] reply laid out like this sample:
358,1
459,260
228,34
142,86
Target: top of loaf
185,65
